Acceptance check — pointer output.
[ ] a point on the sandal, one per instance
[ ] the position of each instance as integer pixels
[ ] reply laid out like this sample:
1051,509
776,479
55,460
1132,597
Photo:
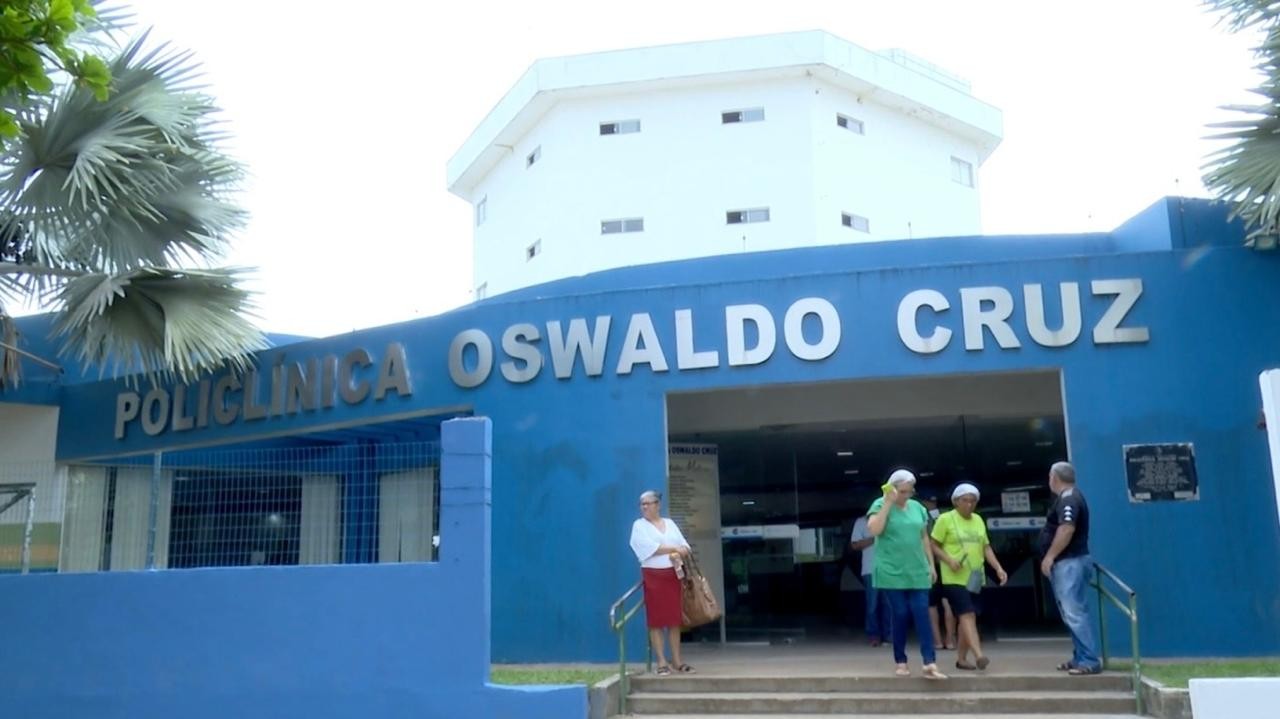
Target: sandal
685,669
1065,666
983,663
931,672
902,670
965,666
1082,671
664,671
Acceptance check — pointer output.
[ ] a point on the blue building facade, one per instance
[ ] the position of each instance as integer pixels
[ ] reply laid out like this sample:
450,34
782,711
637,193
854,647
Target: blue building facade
1154,333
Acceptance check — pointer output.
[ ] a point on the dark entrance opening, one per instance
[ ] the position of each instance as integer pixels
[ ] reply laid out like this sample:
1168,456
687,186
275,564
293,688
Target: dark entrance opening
799,463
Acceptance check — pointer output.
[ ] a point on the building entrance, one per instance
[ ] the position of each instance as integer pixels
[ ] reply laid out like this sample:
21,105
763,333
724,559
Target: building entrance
798,464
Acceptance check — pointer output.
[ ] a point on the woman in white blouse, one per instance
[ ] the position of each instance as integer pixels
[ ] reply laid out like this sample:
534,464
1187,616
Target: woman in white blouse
657,540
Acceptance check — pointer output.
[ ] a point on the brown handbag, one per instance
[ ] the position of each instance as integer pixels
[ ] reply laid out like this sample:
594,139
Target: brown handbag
698,603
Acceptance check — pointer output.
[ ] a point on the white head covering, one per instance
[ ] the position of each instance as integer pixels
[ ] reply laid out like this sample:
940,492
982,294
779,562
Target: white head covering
964,488
901,476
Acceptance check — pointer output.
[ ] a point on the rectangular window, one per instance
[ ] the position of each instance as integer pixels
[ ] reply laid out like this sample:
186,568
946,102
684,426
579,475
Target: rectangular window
482,291
851,124
533,156
533,250
621,127
738,217
630,224
751,114
482,211
961,172
857,222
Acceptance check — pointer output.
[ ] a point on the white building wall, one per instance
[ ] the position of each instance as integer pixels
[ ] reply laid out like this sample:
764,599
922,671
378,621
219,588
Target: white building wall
681,173
28,438
686,168
898,172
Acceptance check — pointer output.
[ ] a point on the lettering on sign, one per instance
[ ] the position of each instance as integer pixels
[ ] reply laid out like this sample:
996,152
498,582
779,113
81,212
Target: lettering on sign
810,329
290,388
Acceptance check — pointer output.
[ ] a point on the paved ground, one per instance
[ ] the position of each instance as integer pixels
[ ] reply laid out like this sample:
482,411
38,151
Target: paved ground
845,657
849,657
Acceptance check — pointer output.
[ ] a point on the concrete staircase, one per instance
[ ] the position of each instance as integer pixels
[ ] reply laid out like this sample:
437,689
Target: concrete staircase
708,697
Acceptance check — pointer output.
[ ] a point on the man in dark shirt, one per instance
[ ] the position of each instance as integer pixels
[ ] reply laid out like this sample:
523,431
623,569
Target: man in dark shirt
1064,548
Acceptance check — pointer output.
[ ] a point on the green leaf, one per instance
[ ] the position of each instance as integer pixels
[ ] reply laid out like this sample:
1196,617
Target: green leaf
8,126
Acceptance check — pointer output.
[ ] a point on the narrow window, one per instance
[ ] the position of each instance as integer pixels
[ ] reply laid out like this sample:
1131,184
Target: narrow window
533,250
482,210
533,157
752,114
622,127
961,172
856,222
482,291
738,217
851,124
630,224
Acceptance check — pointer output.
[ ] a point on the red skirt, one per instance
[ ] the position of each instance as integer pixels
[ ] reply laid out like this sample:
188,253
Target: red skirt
661,598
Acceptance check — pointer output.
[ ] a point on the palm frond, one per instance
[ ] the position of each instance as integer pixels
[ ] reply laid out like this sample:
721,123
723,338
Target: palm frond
135,181
1241,14
167,321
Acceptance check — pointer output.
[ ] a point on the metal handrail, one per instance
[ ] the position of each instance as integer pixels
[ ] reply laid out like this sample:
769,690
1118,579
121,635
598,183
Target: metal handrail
1130,610
618,625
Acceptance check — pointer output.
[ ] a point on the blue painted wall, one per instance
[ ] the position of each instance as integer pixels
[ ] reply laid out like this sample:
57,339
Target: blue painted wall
574,453
391,640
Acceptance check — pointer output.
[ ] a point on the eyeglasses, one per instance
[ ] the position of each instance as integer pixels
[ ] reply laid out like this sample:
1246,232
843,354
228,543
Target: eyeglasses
646,504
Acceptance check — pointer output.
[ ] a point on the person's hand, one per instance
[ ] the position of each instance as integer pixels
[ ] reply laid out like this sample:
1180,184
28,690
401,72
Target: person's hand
684,551
933,575
1001,576
953,563
1046,567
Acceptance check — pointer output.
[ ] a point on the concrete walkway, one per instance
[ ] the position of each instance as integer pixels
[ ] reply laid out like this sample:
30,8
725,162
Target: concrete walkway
847,657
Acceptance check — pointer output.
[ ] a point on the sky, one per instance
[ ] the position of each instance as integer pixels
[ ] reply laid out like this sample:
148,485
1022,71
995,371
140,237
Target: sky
346,113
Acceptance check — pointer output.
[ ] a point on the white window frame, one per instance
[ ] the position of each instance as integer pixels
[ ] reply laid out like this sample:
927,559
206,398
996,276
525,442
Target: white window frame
622,225
620,127
533,250
852,124
962,172
746,114
533,157
482,291
482,210
855,222
746,216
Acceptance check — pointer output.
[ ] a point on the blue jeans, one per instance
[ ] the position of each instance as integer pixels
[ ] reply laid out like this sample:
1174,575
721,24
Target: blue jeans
1070,579
877,616
911,606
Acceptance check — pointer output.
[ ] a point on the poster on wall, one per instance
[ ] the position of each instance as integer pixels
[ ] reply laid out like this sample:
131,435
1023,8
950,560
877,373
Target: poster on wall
693,501
1161,472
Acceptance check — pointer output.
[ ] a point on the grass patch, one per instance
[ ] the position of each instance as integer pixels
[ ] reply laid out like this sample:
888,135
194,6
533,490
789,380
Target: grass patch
1177,674
534,675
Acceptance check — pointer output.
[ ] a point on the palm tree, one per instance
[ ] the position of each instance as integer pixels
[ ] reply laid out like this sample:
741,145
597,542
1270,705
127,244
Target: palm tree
113,213
1247,171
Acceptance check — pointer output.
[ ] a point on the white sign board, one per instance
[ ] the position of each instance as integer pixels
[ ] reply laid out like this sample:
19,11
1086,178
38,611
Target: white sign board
693,501
1015,502
999,524
1270,381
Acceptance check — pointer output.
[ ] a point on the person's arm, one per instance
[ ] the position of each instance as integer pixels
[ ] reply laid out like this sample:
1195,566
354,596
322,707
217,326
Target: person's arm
990,554
926,544
876,522
1061,539
943,557
940,530
860,539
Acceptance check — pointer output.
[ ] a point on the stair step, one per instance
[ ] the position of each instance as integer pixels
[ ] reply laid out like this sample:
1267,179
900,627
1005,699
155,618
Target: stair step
900,702
961,683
